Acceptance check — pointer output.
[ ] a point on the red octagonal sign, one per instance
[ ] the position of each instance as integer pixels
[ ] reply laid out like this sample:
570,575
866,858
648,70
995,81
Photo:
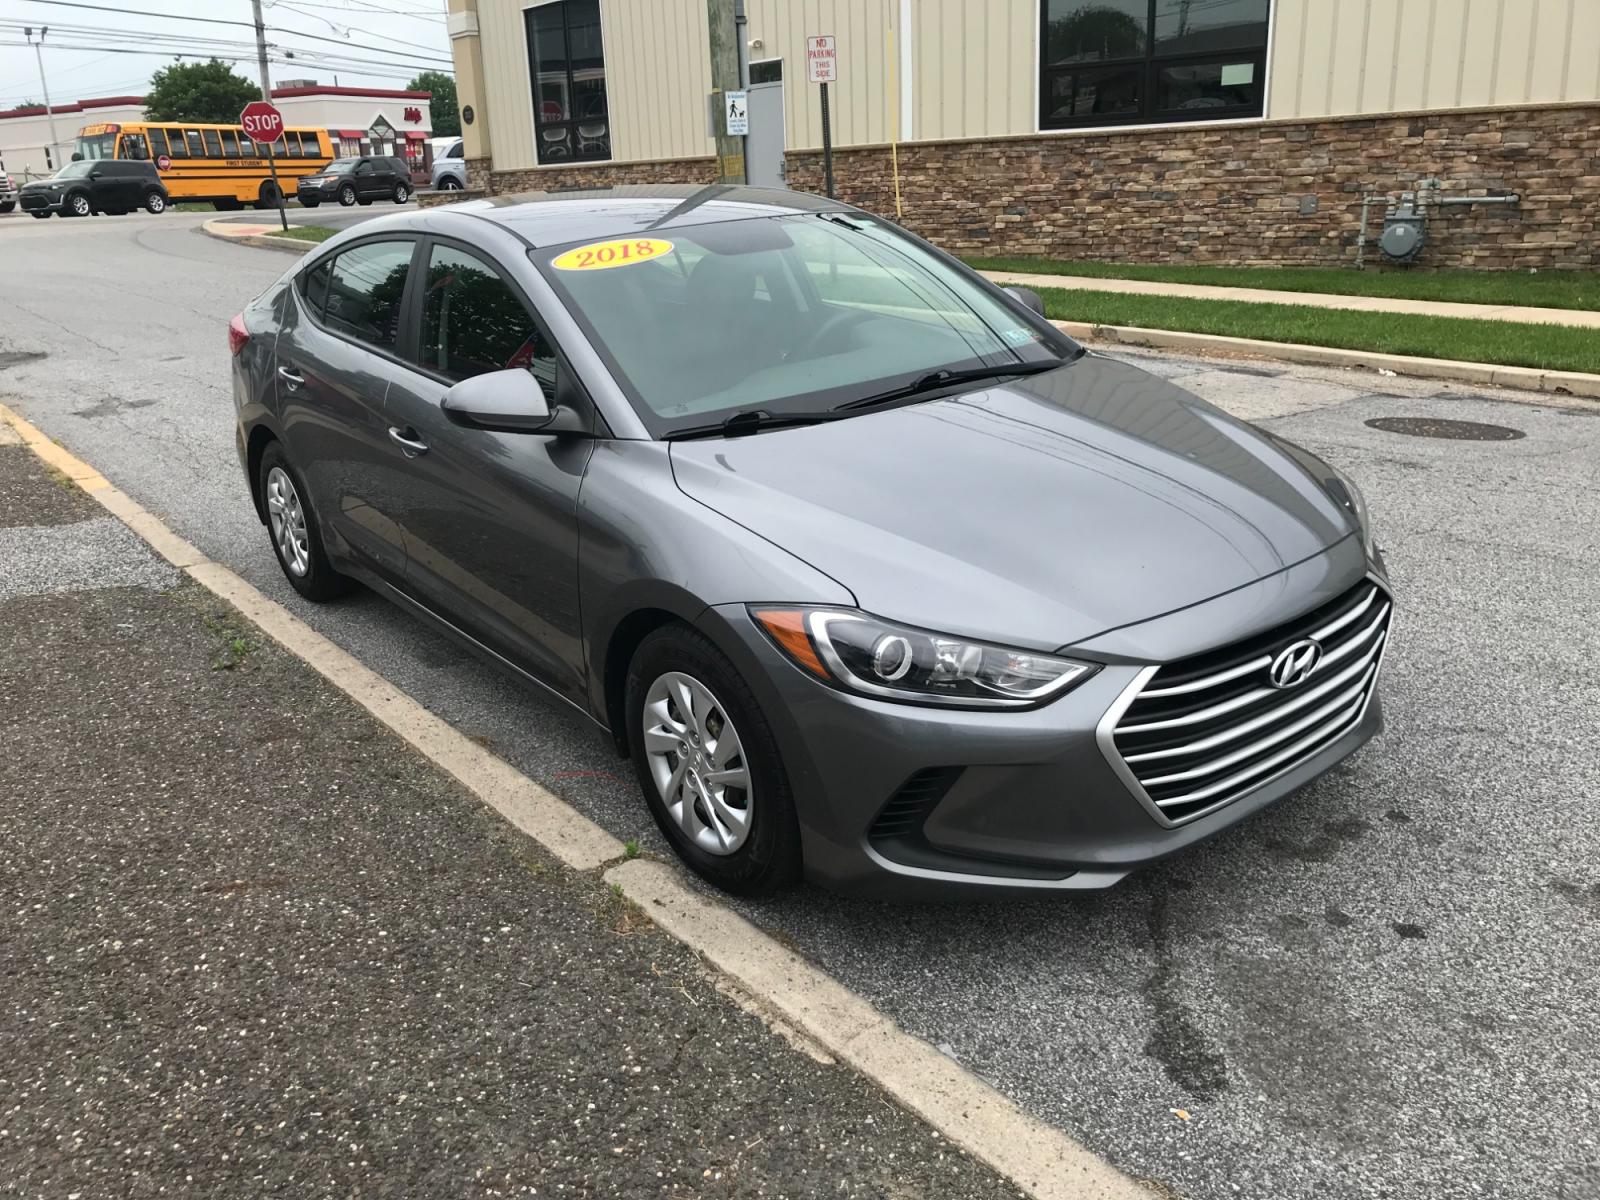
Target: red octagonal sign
261,121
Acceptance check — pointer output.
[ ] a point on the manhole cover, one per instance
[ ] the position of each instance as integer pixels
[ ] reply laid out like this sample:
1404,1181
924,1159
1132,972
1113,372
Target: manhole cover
1438,427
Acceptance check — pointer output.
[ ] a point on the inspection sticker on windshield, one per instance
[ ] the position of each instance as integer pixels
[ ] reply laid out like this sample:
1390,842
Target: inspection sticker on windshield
602,256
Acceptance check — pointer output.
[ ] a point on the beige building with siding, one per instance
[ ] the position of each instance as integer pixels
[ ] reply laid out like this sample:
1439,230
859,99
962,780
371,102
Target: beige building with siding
1215,130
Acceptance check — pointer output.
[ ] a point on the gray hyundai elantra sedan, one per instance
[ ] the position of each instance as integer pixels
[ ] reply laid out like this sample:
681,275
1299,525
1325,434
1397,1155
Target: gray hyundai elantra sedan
875,575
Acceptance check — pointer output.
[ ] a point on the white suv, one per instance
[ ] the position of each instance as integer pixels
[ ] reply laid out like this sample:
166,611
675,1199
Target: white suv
8,193
449,168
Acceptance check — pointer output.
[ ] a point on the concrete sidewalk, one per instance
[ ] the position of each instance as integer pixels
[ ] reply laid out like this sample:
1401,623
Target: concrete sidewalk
255,944
1577,318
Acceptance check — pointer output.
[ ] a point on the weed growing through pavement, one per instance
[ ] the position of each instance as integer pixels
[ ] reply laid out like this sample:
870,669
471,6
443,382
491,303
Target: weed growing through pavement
630,849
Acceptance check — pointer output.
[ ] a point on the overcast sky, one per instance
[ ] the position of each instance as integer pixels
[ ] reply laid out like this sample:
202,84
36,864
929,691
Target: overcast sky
92,52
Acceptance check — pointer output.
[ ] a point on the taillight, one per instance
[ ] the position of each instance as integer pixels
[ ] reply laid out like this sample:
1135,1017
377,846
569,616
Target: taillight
238,335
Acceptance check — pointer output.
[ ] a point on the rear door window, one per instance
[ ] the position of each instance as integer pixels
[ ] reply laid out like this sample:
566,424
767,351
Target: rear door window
365,291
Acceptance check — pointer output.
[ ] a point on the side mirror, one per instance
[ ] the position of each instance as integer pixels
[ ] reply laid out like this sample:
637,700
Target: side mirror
1028,298
509,401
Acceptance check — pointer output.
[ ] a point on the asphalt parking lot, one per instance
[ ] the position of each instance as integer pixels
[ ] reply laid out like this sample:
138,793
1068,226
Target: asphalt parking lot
1382,986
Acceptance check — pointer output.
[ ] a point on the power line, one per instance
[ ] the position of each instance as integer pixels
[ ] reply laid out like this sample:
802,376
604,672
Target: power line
349,66
144,12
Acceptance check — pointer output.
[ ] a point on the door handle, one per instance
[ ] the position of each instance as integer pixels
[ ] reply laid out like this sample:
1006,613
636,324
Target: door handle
293,378
410,446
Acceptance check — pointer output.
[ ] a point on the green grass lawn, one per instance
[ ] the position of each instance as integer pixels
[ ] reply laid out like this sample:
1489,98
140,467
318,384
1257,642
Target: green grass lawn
1504,343
1547,289
304,233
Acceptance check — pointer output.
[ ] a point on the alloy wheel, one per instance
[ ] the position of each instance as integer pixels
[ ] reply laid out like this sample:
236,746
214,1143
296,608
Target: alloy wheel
80,205
347,195
288,521
697,763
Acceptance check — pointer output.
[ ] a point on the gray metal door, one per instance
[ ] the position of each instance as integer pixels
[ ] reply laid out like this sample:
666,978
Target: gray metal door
763,146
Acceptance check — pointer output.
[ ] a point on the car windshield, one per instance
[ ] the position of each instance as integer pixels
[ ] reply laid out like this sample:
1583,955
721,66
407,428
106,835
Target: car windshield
340,167
74,170
795,314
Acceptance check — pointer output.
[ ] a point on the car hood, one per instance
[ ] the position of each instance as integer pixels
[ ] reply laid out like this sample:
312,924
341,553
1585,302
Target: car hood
43,185
1037,513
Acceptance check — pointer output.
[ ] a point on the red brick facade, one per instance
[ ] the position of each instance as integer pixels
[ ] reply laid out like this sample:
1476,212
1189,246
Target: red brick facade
1277,192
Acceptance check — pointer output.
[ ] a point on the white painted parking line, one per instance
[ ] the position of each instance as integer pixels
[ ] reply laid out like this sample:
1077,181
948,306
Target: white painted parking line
789,992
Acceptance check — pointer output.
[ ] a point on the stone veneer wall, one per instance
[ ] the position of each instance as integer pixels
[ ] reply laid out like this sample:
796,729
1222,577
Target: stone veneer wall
1276,192
600,174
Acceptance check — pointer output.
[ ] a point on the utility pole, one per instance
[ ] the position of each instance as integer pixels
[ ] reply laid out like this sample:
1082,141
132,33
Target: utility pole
50,113
725,78
266,94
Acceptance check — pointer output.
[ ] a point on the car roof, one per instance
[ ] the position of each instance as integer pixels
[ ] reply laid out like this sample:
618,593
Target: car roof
550,218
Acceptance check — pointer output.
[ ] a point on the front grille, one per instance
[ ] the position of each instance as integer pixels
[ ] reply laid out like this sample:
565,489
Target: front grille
35,201
1204,731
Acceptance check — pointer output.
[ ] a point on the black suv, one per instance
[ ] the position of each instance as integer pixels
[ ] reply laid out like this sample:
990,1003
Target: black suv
91,185
357,180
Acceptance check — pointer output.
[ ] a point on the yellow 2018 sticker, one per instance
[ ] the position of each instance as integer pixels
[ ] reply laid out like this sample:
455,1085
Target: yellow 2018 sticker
602,256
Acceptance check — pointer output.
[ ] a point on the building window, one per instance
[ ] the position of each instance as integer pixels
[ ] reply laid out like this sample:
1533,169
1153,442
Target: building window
1120,62
568,66
766,70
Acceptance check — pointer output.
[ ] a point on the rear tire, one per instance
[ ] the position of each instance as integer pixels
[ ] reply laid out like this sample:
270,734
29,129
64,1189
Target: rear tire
295,532
401,193
268,196
347,195
449,184
762,854
227,205
155,202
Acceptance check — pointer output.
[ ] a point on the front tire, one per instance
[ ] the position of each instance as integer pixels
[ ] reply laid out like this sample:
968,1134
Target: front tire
708,764
295,532
309,202
155,202
449,184
7,205
77,205
347,195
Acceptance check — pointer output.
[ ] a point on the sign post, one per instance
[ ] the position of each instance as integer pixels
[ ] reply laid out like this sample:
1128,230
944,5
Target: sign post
822,67
263,123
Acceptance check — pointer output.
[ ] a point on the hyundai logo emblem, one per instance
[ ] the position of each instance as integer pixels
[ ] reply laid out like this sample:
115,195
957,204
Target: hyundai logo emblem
1294,664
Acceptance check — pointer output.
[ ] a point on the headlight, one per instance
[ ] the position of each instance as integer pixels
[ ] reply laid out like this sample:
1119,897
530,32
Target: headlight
1356,503
895,662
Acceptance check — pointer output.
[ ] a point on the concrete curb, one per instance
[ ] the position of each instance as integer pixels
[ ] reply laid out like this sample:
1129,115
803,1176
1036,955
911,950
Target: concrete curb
1527,379
786,991
212,228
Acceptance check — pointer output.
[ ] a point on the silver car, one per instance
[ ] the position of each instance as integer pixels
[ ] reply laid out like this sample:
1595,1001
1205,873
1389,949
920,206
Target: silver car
874,574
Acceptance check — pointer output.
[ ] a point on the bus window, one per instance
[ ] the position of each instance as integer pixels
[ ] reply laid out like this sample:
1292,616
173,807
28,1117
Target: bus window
178,148
158,142
133,146
196,146
230,144
213,146
290,143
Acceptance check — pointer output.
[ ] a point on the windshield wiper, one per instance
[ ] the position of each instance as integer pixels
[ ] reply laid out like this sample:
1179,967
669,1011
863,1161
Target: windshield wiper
945,377
750,420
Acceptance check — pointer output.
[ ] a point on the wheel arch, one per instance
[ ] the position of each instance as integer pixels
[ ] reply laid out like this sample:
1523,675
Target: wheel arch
626,636
260,437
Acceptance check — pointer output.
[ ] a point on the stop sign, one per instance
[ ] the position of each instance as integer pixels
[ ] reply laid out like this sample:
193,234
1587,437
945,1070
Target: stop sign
262,121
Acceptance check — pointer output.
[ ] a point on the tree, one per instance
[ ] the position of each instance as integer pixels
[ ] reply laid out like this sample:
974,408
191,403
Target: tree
20,107
446,115
206,92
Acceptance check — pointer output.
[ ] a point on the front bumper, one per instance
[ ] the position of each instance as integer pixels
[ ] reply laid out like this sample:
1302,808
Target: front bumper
1037,805
40,201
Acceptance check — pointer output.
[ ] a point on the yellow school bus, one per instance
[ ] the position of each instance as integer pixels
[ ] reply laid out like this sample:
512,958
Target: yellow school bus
218,163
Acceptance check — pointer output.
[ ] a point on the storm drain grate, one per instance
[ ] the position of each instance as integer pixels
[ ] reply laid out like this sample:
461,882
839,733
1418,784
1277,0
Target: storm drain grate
1440,427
